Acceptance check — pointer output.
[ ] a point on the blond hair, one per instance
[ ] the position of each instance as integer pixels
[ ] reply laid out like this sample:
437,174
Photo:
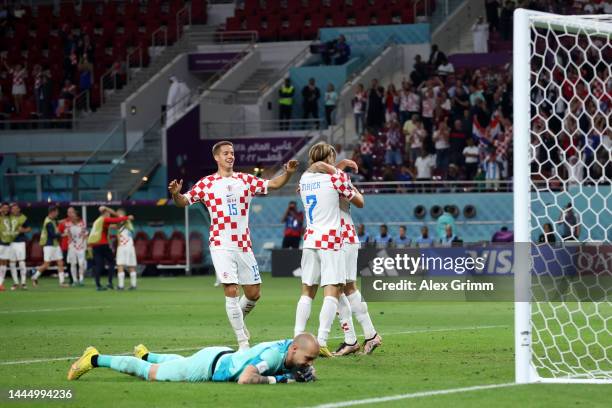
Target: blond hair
321,152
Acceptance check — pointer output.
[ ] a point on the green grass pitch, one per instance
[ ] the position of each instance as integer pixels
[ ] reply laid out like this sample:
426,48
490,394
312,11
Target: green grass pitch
426,347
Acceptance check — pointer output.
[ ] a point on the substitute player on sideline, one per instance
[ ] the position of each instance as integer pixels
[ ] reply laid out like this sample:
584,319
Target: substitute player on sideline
227,196
350,300
19,227
5,242
322,258
76,231
126,253
272,362
49,240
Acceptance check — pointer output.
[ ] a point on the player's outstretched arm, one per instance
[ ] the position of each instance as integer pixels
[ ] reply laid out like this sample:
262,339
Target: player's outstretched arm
250,375
175,189
357,199
279,181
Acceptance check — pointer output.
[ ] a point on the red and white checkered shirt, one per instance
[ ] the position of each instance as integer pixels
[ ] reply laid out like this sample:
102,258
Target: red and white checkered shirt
321,199
227,200
349,234
126,236
77,235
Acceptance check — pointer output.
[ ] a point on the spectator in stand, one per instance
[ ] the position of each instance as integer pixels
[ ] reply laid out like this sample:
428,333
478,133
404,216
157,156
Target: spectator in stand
343,51
492,7
331,99
424,240
449,237
471,154
285,103
548,236
366,150
360,101
424,164
503,235
393,146
37,73
460,103
19,74
45,93
493,167
310,100
391,103
480,36
67,95
441,142
429,104
383,239
445,68
457,141
443,106
85,75
376,108
402,240
417,138
505,21
436,57
406,175
570,224
294,221
419,71
410,103
362,235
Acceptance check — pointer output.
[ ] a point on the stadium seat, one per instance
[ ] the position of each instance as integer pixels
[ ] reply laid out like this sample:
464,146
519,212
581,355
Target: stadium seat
196,248
176,251
143,255
159,249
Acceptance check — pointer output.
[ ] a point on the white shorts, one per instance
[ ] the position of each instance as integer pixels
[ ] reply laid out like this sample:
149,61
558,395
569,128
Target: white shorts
75,256
323,267
5,252
126,255
235,267
18,251
52,253
351,252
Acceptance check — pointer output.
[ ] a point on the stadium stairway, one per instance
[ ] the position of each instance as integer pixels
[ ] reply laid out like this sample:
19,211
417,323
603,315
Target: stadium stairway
249,90
110,112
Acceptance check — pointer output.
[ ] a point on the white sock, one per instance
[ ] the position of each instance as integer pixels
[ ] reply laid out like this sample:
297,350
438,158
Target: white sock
326,318
60,275
346,320
121,279
81,272
36,275
361,313
14,275
246,305
24,272
234,314
133,279
2,273
73,272
302,314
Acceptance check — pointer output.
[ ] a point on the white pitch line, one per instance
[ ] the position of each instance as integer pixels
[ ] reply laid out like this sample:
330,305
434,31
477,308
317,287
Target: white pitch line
421,394
450,329
58,309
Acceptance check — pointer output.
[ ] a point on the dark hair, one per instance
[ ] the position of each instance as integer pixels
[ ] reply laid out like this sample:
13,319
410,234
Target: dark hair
53,208
218,146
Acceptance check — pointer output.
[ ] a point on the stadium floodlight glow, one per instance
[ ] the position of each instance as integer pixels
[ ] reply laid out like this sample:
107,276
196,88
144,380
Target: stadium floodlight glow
560,64
134,171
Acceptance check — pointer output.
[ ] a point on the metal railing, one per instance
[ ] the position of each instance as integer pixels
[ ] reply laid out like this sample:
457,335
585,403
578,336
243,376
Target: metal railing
294,127
80,105
155,35
133,59
183,18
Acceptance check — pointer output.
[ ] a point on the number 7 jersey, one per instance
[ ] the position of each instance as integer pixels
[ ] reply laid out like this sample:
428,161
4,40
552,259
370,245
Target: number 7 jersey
227,200
320,195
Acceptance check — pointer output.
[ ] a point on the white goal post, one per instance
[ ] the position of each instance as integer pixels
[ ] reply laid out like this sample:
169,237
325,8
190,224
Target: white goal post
560,64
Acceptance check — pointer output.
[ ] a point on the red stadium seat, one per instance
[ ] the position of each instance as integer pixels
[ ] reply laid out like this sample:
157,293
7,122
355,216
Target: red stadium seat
143,254
159,249
196,248
176,252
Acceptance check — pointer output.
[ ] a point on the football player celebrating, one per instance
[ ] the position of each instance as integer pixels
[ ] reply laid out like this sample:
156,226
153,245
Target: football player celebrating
322,257
272,362
227,196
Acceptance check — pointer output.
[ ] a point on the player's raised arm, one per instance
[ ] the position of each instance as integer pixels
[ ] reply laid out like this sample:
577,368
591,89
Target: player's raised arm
175,189
279,181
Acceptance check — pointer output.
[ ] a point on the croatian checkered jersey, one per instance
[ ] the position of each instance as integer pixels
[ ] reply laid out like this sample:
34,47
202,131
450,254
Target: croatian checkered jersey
126,237
77,235
320,195
349,234
227,200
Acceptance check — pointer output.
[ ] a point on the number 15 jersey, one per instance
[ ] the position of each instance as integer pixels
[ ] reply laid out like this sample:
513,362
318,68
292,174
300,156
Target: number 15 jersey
320,195
227,200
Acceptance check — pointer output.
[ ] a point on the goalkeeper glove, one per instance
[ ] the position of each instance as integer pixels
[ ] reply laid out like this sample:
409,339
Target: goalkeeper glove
305,374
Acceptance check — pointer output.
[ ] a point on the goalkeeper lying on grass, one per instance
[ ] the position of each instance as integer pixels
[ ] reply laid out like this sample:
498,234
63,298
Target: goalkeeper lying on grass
266,363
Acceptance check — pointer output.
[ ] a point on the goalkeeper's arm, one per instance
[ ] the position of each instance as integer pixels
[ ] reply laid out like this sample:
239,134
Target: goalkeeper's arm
251,375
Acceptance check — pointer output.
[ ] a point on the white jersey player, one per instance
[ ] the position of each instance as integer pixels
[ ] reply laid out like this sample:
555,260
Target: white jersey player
322,256
76,230
227,196
126,253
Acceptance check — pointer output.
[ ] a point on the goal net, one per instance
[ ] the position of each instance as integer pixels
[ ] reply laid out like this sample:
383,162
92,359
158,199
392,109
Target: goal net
562,168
